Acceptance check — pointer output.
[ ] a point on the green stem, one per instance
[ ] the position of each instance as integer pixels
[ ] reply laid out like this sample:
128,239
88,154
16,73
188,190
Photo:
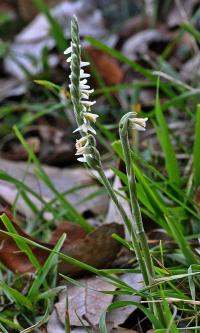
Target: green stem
127,222
137,218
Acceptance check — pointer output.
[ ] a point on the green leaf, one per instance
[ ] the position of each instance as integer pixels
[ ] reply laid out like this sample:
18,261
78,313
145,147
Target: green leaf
164,138
196,154
16,296
44,270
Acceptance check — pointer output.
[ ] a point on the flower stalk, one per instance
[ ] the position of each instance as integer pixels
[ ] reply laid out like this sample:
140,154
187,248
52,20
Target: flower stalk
128,121
87,152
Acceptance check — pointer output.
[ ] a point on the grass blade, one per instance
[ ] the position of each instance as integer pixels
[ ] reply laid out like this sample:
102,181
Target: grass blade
164,138
196,155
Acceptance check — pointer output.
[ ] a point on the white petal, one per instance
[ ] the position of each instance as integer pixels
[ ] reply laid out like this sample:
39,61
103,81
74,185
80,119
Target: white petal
138,127
84,95
69,59
138,123
85,91
84,63
88,103
84,87
92,130
90,116
84,75
82,159
68,50
83,81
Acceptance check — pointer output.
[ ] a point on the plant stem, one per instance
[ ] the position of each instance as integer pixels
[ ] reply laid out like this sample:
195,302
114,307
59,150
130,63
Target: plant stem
127,222
137,218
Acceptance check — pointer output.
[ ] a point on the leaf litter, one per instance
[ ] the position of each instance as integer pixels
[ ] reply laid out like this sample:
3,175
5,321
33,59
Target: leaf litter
85,305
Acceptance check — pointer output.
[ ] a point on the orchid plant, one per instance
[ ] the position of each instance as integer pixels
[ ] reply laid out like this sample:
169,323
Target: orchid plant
87,152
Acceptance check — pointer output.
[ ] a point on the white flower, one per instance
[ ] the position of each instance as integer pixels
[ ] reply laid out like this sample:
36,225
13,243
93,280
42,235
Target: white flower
69,59
84,63
138,123
84,158
83,85
85,91
88,103
85,127
90,116
81,145
83,74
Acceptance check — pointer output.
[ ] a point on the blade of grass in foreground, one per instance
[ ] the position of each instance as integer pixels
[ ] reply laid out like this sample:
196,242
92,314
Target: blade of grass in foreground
164,138
23,246
42,273
196,154
73,213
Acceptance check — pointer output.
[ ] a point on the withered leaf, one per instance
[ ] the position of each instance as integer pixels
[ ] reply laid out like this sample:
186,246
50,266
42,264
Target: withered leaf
97,248
86,302
107,65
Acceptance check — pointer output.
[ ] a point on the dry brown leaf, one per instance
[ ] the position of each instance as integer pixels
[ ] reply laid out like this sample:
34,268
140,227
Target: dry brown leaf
85,302
97,248
107,66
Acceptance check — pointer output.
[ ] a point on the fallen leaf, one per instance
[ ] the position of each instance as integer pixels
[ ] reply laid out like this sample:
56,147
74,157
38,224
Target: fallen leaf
117,317
85,302
97,248
139,45
106,65
54,324
52,145
10,87
63,179
175,18
30,42
89,302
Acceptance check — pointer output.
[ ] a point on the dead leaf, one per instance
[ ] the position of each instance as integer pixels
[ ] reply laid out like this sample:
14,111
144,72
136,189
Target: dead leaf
30,42
85,302
97,248
10,87
117,317
63,179
54,324
107,66
174,18
190,69
88,304
139,45
52,145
